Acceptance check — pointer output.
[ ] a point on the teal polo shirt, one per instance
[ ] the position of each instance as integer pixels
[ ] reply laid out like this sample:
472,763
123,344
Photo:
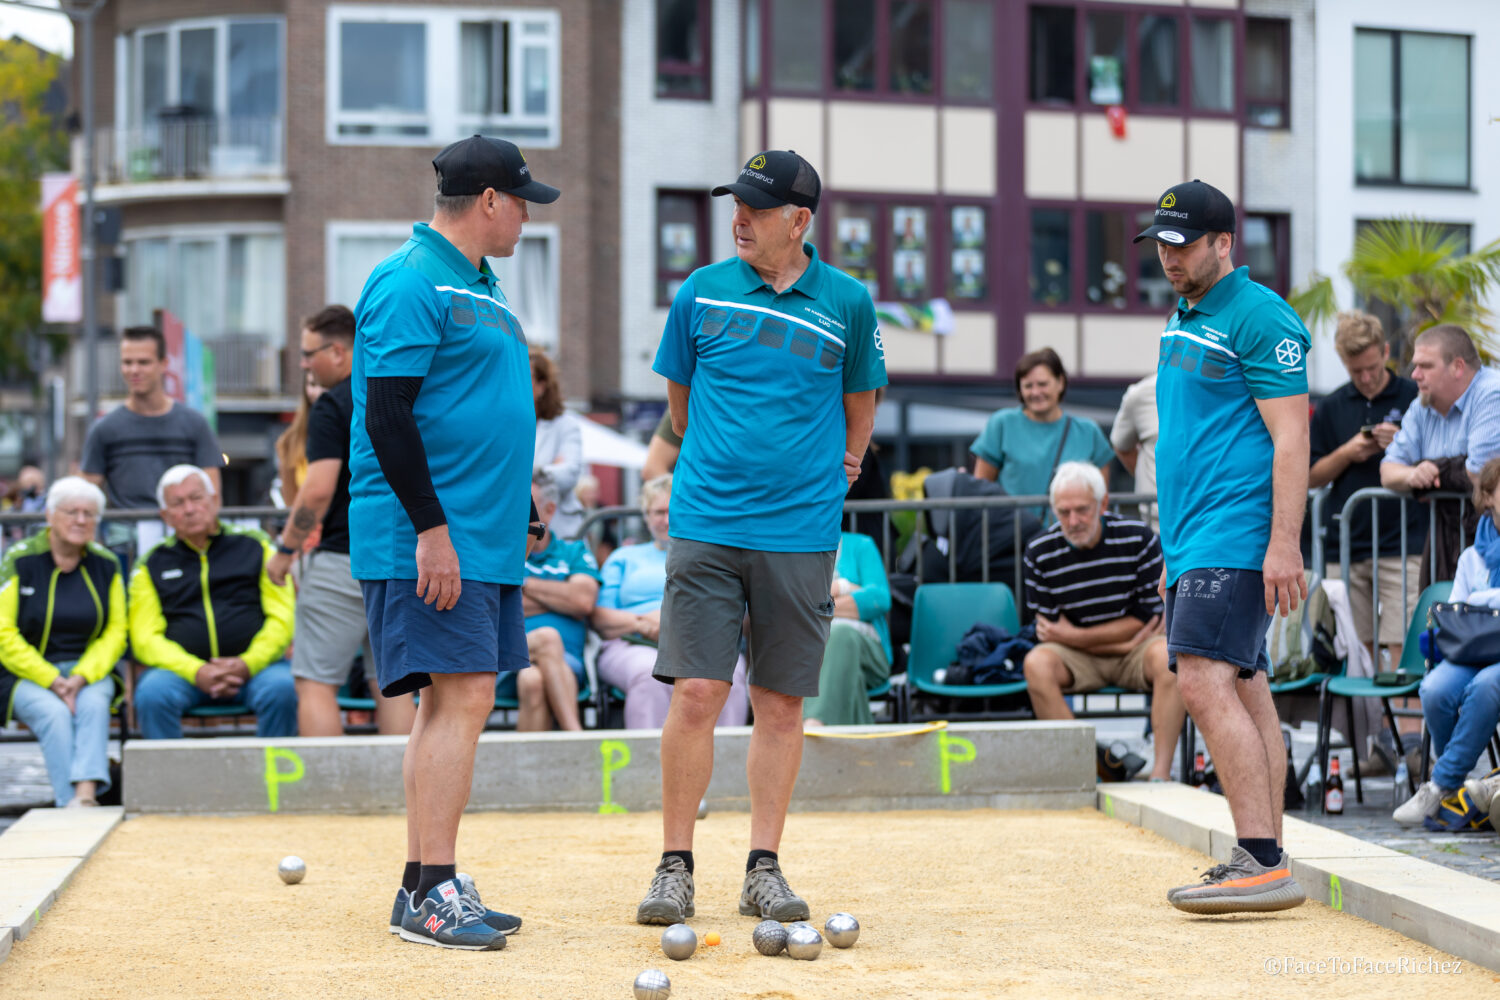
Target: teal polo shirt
1241,343
558,562
427,312
762,464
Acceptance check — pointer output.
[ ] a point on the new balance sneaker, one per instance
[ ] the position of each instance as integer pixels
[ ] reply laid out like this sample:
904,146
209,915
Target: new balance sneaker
670,898
1421,805
398,910
1484,793
449,919
1243,885
767,895
502,922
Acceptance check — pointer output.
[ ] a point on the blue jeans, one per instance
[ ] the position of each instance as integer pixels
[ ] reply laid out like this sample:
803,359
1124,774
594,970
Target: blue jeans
74,744
1461,706
162,697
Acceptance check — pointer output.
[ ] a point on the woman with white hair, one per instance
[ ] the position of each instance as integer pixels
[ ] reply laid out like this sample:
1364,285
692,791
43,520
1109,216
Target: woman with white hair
62,632
628,617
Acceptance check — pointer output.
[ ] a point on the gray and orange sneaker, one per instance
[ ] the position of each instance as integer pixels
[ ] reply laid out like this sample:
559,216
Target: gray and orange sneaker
1243,885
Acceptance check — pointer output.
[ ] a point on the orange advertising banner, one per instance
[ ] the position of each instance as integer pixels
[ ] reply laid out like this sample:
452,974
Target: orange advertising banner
62,266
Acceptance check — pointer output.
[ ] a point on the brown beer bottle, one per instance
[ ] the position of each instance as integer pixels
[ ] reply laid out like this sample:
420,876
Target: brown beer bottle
1333,791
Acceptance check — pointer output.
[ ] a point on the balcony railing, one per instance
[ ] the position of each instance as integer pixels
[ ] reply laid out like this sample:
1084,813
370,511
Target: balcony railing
189,146
245,364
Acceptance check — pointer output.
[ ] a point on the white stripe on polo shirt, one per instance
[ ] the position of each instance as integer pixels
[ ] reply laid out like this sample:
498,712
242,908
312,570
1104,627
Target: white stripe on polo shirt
769,312
1201,340
465,291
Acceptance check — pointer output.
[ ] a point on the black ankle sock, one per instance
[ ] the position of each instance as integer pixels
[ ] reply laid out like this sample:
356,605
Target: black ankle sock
756,856
686,856
1262,849
411,875
433,875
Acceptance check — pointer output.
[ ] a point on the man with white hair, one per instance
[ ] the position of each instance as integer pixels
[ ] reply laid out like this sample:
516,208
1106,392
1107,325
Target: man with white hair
205,618
1091,584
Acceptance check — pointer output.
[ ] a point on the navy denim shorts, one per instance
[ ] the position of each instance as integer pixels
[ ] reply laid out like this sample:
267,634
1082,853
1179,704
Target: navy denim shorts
1219,614
484,632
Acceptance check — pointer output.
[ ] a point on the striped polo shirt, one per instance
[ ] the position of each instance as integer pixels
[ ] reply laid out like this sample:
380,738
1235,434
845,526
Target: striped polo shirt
1115,578
762,463
1471,427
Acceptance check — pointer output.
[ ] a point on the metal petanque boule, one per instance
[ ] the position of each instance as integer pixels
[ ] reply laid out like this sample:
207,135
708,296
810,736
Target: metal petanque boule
769,937
842,930
652,984
678,942
702,808
292,869
804,943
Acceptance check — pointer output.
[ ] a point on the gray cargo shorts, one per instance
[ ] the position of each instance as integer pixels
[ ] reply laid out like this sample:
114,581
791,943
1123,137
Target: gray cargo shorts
710,587
331,627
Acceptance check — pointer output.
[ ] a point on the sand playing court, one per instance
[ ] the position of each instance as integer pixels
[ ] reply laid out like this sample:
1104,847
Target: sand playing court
963,904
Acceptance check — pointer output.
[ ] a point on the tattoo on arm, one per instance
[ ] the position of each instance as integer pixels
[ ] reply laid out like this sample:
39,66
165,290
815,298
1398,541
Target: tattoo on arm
301,525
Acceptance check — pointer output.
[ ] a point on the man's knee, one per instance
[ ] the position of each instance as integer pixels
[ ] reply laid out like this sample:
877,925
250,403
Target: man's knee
1044,669
701,697
273,686
469,693
780,711
530,688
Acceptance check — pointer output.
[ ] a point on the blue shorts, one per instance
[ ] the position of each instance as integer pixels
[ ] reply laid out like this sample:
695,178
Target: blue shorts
505,686
483,633
1219,614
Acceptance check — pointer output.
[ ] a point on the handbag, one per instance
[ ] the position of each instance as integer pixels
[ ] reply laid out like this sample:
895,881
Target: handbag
1467,634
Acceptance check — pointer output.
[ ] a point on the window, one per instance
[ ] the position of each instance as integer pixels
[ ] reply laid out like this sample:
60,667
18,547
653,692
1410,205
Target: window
910,252
1268,50
1052,54
854,44
855,228
200,98
683,39
1212,48
968,40
1104,50
226,284
912,249
1152,289
681,240
430,75
1411,108
529,280
1051,256
798,45
1159,61
910,34
968,269
1265,246
751,56
1391,318
1104,276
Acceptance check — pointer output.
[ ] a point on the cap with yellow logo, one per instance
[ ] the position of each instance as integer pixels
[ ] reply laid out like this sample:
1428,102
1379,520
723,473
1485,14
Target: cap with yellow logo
1187,211
774,178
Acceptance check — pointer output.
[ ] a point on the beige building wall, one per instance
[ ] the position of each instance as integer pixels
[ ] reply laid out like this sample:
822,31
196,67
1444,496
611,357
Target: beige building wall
1051,154
968,151
909,352
1120,346
970,348
1058,331
1137,168
750,143
882,147
1214,154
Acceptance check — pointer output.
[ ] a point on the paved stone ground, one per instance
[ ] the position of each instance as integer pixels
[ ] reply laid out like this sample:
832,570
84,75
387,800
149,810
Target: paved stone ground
23,785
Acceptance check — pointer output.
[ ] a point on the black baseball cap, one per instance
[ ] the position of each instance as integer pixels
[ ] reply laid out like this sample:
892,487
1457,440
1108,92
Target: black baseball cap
470,165
773,178
1187,211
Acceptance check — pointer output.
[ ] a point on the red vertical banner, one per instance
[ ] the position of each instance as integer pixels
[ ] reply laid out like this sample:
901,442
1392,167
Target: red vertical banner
62,264
175,379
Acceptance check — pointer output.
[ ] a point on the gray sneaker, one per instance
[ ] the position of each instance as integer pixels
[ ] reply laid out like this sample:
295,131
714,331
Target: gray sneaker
1421,805
767,895
1243,885
1484,793
670,898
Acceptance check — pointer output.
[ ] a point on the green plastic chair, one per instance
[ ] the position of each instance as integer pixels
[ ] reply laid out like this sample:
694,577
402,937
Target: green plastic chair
941,614
1348,688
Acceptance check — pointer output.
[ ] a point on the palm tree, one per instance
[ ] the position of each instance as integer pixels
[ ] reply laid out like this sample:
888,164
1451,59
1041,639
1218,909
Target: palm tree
1414,268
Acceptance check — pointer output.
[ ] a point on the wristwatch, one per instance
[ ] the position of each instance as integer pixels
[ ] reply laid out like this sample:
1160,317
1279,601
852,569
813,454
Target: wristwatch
536,529
284,550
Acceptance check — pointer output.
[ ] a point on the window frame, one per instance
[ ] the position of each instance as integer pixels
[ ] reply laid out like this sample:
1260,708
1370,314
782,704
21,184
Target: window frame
218,233
940,243
1281,246
442,117
705,72
1396,180
701,212
1077,301
1132,13
128,74
1283,28
883,92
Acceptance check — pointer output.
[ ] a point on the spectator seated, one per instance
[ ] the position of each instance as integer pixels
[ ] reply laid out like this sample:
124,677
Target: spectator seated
1091,586
206,621
628,618
561,585
858,657
62,633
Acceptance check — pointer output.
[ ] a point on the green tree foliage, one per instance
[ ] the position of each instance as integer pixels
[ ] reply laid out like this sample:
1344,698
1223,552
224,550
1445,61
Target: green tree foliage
31,143
1414,266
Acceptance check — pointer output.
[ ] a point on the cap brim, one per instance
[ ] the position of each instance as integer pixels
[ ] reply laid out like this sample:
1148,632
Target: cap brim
753,196
536,192
1174,236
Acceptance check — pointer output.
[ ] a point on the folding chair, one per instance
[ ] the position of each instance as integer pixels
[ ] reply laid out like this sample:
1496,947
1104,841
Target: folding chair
941,614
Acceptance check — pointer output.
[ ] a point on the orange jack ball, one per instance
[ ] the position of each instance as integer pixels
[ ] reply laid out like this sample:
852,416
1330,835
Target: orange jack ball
711,938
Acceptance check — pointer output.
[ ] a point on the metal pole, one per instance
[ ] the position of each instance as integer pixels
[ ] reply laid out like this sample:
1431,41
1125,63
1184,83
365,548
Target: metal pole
90,275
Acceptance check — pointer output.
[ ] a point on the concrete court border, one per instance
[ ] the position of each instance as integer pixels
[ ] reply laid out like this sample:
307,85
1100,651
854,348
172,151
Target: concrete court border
1000,765
39,855
1449,910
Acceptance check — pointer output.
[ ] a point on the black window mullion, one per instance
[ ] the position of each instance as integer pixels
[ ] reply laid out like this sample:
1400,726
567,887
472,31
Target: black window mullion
1395,37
